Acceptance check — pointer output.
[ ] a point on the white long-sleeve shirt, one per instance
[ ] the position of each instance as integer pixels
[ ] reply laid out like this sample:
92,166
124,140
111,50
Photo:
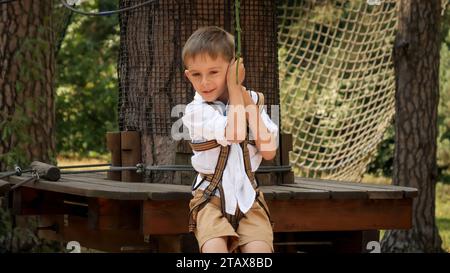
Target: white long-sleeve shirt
207,122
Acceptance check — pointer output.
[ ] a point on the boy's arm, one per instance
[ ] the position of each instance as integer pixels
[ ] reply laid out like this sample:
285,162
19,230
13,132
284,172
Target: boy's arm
265,141
236,129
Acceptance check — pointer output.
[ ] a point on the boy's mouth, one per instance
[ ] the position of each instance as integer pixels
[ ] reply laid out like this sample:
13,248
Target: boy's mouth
209,91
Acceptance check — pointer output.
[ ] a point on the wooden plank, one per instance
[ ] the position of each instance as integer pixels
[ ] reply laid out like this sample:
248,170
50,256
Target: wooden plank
335,192
302,193
91,187
408,192
302,189
87,189
155,191
280,192
285,148
28,201
274,192
171,217
373,193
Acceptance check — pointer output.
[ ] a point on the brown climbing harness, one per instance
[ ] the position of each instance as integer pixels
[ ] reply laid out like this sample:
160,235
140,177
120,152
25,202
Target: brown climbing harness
216,178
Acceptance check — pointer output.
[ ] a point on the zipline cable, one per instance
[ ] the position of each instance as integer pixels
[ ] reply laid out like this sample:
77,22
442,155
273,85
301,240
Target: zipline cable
140,168
103,13
6,1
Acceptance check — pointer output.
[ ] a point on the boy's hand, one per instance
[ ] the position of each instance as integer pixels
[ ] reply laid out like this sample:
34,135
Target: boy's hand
231,74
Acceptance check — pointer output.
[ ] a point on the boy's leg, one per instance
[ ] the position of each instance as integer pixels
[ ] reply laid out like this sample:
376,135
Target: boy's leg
215,245
255,230
256,247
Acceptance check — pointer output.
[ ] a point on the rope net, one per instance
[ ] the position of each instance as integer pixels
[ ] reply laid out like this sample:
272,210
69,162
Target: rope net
336,83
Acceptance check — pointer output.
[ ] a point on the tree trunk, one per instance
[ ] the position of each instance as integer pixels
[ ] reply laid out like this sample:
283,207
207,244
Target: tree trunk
416,57
26,83
151,73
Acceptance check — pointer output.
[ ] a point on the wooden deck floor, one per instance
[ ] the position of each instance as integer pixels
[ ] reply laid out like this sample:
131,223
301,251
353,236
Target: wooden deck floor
90,209
91,185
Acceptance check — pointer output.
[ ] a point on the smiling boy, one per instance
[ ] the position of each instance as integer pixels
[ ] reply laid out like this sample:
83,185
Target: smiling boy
230,134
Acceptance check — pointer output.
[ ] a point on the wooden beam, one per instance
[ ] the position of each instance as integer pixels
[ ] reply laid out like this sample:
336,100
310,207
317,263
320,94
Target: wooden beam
28,201
285,148
171,217
165,217
337,214
107,214
74,228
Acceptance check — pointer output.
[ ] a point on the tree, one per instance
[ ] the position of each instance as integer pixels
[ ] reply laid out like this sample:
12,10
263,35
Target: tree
86,81
416,60
26,83
27,118
151,79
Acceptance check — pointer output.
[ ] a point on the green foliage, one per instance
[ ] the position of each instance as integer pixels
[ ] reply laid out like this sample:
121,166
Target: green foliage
86,103
383,163
443,153
443,213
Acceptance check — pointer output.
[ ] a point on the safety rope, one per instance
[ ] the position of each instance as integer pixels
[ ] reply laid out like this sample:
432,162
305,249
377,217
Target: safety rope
238,37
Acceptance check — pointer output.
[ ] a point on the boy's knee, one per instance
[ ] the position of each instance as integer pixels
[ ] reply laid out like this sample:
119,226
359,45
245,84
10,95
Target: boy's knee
256,247
215,245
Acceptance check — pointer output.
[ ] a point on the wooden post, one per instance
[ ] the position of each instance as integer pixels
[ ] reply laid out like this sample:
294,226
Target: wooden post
285,148
267,179
183,157
113,140
131,155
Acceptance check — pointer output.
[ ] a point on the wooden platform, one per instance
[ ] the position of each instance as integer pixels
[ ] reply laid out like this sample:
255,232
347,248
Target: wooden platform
120,216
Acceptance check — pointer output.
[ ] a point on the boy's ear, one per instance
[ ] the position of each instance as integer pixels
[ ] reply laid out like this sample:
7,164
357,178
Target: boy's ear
186,74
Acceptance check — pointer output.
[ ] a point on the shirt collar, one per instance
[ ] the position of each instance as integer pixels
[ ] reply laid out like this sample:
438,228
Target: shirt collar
198,97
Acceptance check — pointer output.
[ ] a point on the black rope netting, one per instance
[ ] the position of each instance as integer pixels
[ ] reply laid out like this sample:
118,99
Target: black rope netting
150,69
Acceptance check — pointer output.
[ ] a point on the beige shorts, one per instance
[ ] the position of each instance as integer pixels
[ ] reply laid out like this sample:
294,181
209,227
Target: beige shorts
254,226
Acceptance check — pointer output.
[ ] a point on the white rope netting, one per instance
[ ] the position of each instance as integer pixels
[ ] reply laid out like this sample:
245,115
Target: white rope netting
337,83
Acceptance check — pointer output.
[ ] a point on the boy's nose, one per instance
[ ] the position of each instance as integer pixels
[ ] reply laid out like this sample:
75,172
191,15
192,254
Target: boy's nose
205,81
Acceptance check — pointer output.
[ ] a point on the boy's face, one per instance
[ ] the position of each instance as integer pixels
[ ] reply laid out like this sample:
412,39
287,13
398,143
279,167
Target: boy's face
208,76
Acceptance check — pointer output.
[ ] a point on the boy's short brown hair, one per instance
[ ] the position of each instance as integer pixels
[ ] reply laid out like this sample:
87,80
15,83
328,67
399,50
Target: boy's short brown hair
212,40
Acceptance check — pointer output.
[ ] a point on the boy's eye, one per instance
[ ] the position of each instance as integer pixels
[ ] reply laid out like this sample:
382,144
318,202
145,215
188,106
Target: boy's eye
195,74
214,72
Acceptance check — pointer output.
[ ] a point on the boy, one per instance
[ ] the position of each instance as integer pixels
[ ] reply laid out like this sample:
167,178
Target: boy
228,210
